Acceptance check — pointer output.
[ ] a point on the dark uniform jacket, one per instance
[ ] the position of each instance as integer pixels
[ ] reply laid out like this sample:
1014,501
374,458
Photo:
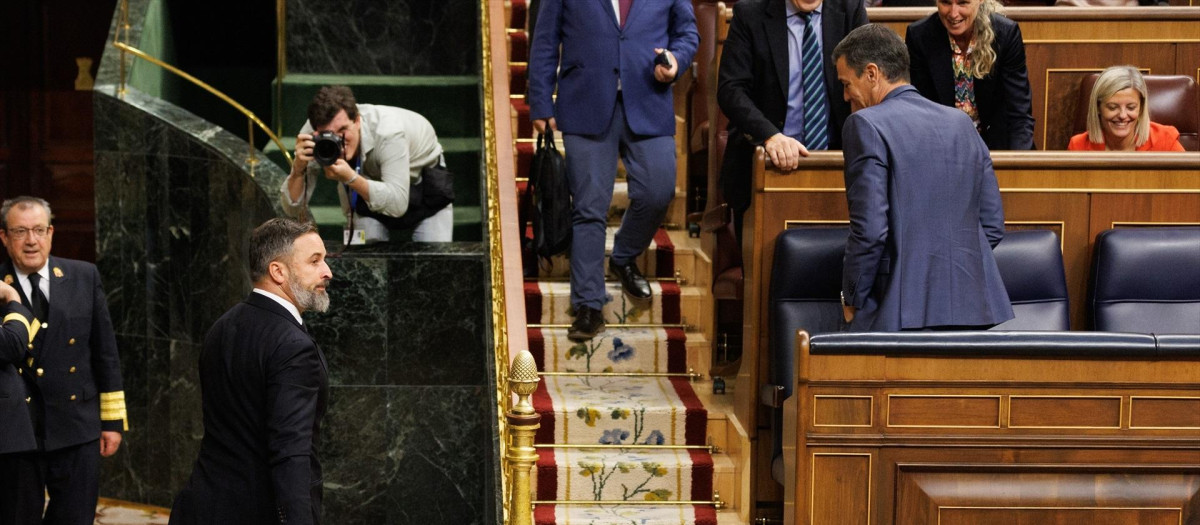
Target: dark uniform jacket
264,385
753,83
1003,98
75,377
16,431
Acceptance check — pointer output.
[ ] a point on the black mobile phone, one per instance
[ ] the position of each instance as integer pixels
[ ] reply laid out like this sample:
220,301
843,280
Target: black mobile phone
662,60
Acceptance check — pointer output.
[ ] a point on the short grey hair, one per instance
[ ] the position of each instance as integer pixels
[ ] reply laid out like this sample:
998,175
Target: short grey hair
21,203
273,240
874,43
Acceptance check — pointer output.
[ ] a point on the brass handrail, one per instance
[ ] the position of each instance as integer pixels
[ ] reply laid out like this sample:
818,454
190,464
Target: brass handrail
280,60
252,118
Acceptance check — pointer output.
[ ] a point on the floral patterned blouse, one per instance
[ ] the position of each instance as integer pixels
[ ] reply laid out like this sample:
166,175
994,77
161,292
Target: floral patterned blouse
964,81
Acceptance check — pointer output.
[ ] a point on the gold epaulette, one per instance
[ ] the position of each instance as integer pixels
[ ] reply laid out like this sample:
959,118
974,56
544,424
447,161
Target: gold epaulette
112,408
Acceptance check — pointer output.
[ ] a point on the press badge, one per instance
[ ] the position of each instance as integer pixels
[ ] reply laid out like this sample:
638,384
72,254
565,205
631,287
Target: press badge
354,237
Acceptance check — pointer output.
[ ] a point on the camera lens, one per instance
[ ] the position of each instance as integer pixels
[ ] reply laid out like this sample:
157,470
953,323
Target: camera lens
327,148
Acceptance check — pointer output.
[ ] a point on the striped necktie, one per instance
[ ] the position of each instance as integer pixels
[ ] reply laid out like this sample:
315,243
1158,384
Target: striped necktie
816,120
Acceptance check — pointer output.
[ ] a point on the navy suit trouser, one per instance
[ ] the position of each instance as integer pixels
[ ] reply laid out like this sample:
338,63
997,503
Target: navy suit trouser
71,475
591,172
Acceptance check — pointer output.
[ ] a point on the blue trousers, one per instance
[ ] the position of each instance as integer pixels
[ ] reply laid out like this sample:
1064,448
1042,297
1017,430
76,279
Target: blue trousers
591,173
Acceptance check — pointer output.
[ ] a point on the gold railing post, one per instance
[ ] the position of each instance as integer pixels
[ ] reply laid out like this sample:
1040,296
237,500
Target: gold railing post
122,24
252,159
523,423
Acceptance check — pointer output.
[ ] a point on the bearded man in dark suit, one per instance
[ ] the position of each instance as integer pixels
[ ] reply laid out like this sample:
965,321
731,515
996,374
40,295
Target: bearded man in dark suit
264,386
72,372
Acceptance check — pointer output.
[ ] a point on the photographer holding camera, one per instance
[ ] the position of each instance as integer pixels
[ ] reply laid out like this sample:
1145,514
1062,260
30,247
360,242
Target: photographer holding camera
388,165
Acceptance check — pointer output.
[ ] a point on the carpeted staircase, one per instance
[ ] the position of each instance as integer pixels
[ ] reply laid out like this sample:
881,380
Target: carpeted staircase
630,429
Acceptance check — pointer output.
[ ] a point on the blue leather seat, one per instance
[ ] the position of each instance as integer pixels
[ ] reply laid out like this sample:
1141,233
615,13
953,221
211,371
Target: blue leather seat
1031,265
1146,280
806,281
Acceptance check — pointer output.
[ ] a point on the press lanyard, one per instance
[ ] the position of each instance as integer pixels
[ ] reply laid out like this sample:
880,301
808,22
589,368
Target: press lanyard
354,194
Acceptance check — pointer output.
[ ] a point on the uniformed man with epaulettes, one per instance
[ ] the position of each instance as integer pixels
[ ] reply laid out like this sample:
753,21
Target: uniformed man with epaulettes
72,372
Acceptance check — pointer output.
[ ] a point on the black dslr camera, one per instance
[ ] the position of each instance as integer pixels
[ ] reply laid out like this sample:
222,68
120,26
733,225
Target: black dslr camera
328,148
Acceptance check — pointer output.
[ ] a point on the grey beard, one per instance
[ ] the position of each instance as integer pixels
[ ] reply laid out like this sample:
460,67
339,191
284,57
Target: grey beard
308,300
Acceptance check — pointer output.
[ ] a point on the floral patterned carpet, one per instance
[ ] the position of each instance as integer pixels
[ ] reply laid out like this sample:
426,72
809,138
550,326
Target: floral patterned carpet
613,446
116,512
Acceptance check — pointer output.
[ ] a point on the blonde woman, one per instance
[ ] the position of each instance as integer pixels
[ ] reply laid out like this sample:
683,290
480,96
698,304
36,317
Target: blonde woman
968,55
1119,119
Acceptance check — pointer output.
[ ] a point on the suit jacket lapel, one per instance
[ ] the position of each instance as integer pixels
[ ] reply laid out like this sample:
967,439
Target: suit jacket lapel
59,290
257,299
940,63
7,269
607,6
775,26
831,34
633,11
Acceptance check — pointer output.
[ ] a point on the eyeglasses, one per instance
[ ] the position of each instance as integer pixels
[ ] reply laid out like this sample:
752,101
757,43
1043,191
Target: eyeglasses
38,232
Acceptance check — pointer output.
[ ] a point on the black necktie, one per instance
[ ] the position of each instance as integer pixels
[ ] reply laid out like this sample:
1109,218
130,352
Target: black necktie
41,307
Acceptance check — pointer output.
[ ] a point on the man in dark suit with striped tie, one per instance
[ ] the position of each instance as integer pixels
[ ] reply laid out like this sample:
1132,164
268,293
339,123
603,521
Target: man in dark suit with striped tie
72,371
264,386
778,86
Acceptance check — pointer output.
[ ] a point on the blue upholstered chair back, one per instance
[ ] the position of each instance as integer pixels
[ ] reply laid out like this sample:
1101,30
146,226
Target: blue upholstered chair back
1031,265
806,278
1146,280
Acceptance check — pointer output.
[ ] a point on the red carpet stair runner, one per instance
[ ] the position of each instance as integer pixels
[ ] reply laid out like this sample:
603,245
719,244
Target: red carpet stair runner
621,440
624,436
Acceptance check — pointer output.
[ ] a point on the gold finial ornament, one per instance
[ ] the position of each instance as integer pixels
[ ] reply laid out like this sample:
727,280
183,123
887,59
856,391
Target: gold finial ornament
523,380
523,422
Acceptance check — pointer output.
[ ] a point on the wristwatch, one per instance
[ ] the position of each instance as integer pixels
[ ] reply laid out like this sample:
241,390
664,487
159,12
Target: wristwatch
842,295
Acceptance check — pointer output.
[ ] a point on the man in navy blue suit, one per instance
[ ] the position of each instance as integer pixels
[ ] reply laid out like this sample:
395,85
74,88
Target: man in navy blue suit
925,209
613,99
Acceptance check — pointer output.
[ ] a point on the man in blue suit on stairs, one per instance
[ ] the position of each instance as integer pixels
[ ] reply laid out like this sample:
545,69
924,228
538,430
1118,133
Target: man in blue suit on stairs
615,61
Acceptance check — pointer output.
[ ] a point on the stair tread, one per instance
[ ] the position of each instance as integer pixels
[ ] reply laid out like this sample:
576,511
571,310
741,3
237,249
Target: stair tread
626,514
333,214
449,145
624,475
380,80
619,410
653,350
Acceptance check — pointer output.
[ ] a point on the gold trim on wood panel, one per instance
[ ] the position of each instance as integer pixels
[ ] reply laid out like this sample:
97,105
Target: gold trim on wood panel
1032,189
1062,228
1046,83
812,479
988,507
1118,224
1114,41
1116,191
793,189
1120,411
870,412
999,410
1135,398
801,222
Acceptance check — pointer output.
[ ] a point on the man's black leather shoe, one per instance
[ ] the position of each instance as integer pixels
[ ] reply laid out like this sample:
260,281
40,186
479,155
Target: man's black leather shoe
588,322
632,280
